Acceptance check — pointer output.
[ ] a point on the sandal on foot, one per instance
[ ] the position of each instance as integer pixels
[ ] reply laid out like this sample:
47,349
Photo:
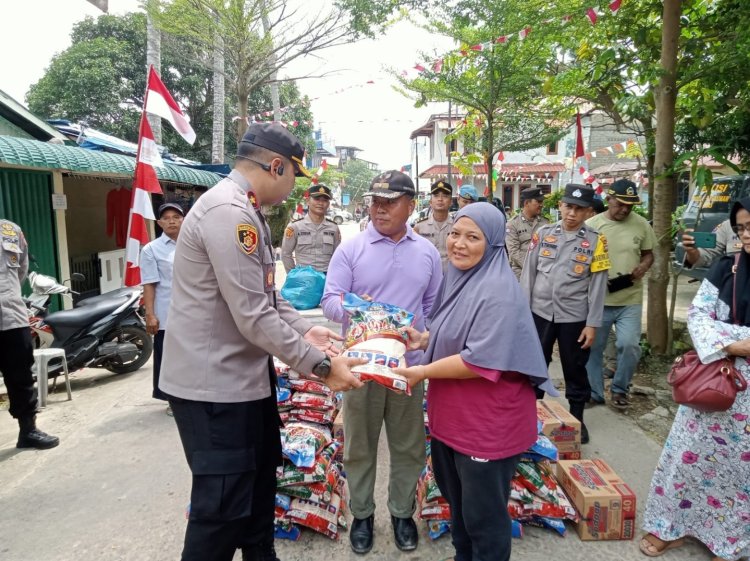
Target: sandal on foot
652,546
620,400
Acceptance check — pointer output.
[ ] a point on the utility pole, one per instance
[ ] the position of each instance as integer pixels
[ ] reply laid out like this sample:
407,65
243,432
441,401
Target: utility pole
450,129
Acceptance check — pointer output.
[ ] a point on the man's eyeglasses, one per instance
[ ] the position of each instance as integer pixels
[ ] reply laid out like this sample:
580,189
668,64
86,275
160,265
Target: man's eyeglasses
740,229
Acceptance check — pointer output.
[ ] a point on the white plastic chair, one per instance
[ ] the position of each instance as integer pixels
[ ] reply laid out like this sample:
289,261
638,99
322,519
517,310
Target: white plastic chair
42,358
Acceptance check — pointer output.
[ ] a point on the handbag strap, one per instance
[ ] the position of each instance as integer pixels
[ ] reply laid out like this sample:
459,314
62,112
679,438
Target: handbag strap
734,286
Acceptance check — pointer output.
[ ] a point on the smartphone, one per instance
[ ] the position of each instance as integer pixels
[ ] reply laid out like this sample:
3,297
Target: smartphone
706,240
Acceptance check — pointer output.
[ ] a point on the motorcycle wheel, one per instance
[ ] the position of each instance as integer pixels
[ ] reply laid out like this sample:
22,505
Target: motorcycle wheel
136,336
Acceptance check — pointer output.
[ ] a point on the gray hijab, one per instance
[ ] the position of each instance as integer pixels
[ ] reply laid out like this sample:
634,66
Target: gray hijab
482,313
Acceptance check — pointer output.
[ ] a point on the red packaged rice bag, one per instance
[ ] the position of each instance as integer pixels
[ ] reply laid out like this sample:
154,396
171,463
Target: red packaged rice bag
312,416
375,332
301,442
321,517
310,386
305,400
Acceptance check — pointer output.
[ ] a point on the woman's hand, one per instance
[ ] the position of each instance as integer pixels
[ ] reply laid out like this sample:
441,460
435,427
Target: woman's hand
416,341
739,348
413,374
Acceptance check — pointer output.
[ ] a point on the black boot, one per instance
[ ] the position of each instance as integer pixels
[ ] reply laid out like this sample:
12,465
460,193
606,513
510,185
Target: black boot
360,535
576,409
31,437
262,552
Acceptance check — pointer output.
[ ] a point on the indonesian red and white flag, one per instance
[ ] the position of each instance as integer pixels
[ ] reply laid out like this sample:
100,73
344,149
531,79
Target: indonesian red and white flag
160,102
144,183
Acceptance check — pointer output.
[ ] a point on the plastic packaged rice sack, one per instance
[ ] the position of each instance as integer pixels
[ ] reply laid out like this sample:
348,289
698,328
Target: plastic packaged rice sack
321,517
375,333
309,386
301,442
436,528
305,400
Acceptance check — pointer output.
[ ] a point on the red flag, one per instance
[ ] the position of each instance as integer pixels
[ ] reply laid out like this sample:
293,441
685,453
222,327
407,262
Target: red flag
579,137
524,32
591,14
502,39
419,68
437,66
145,181
160,102
615,5
476,47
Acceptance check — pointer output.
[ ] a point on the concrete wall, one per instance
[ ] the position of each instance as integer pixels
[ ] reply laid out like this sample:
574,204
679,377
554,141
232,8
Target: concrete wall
86,217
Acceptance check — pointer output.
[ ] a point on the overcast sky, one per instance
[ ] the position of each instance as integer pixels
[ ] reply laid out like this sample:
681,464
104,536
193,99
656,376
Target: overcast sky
372,117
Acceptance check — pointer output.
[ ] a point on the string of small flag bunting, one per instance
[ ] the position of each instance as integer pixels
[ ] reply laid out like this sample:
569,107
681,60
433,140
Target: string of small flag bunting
591,14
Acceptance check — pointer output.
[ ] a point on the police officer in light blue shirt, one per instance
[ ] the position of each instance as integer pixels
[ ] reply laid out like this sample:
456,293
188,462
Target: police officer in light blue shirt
157,258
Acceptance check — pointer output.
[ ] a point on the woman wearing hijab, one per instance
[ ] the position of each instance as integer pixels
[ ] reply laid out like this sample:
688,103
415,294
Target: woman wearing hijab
483,359
701,486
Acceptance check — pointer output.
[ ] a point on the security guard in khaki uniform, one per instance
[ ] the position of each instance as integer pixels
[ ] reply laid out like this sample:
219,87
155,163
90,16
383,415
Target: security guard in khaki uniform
16,349
225,323
727,243
437,225
521,227
313,238
565,278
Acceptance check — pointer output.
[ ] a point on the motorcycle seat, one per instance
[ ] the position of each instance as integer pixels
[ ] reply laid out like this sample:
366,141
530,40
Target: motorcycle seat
81,317
107,296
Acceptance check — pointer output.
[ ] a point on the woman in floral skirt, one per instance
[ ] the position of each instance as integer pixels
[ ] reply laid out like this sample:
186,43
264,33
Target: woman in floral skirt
701,486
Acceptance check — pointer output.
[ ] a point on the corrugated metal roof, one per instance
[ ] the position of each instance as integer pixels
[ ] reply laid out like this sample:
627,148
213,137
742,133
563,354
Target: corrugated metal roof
43,155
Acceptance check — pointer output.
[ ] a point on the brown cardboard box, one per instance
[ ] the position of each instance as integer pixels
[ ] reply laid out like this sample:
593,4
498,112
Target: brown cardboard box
562,428
606,504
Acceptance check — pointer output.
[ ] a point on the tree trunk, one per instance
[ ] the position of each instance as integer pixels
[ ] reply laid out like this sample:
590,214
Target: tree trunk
242,95
275,101
666,99
153,57
489,151
217,131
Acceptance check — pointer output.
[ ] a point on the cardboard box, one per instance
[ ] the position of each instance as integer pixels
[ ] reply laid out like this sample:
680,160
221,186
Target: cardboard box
604,501
573,454
562,428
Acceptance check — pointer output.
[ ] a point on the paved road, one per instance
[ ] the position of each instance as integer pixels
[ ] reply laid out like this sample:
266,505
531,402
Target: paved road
117,486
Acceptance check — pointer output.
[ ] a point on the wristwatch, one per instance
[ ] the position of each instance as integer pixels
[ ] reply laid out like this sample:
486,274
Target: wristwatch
323,368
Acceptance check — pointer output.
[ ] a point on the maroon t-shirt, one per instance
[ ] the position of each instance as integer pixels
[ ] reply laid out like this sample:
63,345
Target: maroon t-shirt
491,417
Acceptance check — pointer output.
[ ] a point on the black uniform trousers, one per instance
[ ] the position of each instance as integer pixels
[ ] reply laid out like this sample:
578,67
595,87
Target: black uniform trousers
16,360
232,450
572,357
158,350
476,490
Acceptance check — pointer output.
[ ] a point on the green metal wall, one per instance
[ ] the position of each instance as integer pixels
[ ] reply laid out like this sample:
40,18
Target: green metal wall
25,198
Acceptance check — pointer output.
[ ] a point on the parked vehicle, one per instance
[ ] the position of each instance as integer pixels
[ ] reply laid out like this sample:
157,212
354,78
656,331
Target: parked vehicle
106,332
706,210
339,215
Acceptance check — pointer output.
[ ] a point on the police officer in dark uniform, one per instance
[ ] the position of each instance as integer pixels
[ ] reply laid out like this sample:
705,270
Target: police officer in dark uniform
16,349
312,239
565,278
226,321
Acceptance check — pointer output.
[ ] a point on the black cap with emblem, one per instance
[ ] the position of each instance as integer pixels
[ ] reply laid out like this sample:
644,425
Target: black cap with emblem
441,186
578,194
320,190
274,137
532,193
624,191
391,185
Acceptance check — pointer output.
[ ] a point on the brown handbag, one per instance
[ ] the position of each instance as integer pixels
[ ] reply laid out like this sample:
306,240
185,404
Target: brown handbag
709,387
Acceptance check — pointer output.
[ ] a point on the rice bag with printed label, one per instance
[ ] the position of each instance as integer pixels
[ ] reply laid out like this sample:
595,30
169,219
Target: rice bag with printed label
310,386
306,400
436,528
321,517
301,442
321,491
375,332
312,416
290,532
529,475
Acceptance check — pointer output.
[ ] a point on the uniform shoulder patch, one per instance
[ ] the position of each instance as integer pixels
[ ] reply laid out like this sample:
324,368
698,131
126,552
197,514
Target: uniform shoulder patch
534,241
247,238
600,260
423,220
331,221
289,232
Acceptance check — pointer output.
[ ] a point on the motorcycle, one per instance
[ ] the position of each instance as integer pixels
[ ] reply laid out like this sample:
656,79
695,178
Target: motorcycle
104,331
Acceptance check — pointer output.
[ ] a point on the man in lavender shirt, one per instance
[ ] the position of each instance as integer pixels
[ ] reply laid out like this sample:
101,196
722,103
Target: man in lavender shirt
391,264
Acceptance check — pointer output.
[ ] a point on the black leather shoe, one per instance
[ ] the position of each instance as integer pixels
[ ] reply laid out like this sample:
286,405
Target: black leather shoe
262,552
360,535
405,533
584,434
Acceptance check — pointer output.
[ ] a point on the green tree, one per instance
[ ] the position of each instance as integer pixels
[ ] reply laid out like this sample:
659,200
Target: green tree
357,176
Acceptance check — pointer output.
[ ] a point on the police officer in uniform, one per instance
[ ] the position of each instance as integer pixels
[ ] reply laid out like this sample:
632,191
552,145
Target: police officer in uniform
225,322
521,227
16,349
467,195
313,238
727,243
565,278
437,225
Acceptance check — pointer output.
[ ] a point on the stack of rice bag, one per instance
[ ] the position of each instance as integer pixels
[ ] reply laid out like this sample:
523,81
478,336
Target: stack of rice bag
311,486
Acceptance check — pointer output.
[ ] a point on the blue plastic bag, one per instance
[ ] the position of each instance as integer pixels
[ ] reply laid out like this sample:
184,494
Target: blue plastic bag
303,288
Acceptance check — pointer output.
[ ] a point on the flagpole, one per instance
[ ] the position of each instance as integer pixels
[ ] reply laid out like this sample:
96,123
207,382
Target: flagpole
135,172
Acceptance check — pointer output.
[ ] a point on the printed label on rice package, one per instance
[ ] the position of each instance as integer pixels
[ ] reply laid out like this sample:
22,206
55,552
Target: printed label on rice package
375,332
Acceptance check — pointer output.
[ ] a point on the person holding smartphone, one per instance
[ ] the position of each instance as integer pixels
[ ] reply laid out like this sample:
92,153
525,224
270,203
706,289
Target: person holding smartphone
631,241
726,243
